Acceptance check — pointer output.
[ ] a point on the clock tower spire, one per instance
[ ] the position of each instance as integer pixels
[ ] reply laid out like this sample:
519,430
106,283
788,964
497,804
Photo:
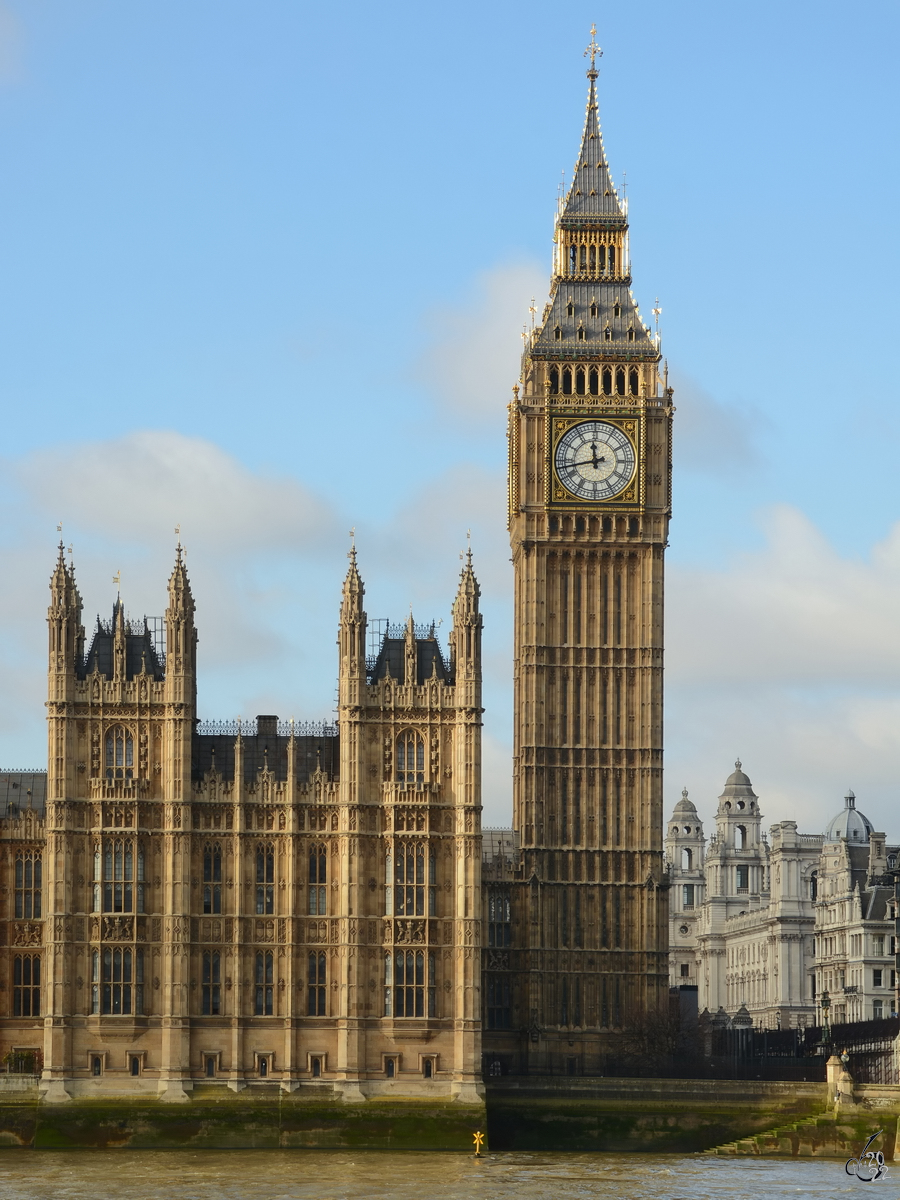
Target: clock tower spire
589,507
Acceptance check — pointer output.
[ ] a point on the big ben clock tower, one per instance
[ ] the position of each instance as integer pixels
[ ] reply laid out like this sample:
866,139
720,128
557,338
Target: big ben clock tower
589,507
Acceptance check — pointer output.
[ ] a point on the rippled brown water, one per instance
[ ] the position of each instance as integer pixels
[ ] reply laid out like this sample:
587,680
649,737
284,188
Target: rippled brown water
371,1175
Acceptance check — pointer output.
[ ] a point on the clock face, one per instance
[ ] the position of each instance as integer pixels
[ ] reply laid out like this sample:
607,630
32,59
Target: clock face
594,460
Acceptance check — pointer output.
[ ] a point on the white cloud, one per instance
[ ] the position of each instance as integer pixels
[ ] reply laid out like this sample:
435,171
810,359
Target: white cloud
144,484
789,657
712,438
795,612
11,46
473,361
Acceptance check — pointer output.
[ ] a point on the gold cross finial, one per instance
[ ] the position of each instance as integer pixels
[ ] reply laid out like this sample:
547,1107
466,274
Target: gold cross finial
593,49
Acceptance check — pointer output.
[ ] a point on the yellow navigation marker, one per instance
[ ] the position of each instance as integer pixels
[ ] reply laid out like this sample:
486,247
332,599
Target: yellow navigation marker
478,1139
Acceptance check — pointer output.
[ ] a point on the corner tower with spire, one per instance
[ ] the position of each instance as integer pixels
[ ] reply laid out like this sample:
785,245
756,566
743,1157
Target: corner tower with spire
589,507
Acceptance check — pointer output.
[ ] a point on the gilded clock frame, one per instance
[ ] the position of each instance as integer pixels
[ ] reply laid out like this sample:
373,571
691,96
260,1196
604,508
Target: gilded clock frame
630,424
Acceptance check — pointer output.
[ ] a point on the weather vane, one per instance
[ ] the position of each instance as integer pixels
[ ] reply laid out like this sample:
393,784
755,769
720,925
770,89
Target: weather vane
593,49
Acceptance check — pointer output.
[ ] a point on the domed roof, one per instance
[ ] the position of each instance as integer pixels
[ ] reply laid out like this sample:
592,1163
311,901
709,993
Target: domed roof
685,805
738,792
849,824
737,778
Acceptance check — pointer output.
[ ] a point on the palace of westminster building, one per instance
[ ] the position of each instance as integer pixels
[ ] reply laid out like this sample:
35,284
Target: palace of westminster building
316,907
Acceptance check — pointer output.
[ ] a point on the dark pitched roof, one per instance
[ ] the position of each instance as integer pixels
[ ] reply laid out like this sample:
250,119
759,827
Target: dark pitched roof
21,790
606,297
140,651
392,657
264,747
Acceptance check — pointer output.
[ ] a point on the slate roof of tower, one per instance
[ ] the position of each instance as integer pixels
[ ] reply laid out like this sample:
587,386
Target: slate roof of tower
582,294
592,193
392,656
140,652
592,202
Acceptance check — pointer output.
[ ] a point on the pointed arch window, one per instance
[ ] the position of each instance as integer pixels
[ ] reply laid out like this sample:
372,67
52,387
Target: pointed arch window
567,381
617,309
117,987
579,381
594,382
607,381
264,999
410,758
28,886
573,259
620,381
414,870
554,381
633,381
594,309
631,335
318,878
316,983
265,880
118,876
570,309
212,879
581,333
557,333
119,753
607,334
212,988
584,257
601,258
593,258
27,985
611,259
409,983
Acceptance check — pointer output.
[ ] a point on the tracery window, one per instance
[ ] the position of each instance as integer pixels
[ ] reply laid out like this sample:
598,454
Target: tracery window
499,928
316,979
413,872
27,985
499,1009
318,878
117,981
211,997
119,753
265,880
212,879
410,757
265,987
118,876
409,983
28,886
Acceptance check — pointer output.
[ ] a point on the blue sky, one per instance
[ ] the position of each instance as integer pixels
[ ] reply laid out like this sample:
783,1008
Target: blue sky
264,269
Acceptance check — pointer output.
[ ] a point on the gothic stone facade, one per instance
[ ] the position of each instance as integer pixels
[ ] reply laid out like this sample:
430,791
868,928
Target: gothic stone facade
589,507
248,905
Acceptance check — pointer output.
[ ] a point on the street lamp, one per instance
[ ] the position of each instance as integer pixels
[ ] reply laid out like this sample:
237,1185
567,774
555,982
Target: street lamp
825,1002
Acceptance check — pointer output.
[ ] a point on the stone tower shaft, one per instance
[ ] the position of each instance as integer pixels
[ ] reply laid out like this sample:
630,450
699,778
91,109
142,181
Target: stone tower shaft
589,507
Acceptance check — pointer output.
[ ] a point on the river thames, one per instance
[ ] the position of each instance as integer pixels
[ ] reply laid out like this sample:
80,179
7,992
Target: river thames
375,1175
